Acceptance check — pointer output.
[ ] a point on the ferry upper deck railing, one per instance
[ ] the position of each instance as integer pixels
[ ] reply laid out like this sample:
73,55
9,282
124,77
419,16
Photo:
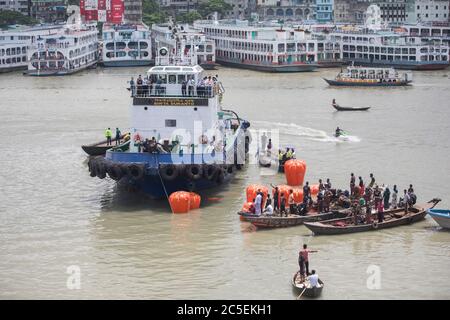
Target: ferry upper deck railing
160,90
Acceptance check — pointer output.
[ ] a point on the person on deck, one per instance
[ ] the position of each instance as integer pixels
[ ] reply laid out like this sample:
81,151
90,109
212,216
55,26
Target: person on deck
132,87
276,196
291,202
338,132
269,148
280,158
258,202
289,154
263,142
361,184
377,196
372,181
352,182
268,201
386,197
328,184
306,190
303,261
380,212
139,85
327,200
108,136
283,205
118,136
406,200
394,197
321,186
410,189
268,210
320,202
313,279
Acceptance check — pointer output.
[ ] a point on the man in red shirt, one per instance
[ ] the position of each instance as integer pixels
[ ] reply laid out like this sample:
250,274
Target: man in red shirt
303,261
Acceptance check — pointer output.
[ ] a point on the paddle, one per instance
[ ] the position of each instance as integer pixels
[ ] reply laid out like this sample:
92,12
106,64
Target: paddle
300,295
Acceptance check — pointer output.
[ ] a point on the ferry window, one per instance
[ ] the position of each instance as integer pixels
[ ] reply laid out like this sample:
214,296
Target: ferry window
208,48
110,46
172,79
201,48
181,78
162,78
171,123
143,45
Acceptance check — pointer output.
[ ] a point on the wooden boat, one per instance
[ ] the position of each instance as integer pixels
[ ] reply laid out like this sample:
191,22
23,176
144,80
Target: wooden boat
339,108
264,221
367,83
305,287
100,148
442,217
393,218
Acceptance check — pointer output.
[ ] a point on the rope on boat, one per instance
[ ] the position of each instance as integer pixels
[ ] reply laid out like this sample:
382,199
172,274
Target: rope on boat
164,187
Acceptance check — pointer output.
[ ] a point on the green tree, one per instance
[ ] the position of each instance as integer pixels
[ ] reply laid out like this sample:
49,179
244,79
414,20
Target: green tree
189,17
8,17
219,6
152,12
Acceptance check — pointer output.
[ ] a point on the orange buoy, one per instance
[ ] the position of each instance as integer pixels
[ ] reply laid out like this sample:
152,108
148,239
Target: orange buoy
245,208
314,189
180,201
195,200
253,189
285,189
295,170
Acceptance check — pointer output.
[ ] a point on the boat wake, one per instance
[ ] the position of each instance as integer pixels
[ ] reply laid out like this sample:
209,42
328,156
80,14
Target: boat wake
293,129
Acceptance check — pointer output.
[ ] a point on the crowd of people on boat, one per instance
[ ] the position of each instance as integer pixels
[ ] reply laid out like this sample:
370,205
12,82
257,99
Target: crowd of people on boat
285,155
360,199
155,86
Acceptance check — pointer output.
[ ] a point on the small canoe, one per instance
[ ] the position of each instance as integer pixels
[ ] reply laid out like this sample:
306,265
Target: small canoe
339,108
442,217
264,221
100,148
305,287
393,218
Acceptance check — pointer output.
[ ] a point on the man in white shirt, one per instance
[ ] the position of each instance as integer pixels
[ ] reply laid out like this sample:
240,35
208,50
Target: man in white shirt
269,210
313,279
258,201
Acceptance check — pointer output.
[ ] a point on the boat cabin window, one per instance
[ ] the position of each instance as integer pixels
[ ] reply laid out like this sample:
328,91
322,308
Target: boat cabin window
181,78
172,79
171,123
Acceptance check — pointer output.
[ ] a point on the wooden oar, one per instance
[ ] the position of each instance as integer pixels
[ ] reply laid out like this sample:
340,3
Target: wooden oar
300,295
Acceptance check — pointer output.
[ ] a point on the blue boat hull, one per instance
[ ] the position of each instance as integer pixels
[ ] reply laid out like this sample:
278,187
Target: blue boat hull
442,217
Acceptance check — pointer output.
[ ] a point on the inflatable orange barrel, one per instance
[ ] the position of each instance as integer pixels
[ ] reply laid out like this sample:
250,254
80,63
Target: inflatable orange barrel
314,189
253,189
294,171
298,195
195,200
180,201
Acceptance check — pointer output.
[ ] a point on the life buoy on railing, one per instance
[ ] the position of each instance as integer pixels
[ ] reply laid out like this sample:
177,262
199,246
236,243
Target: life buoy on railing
169,172
203,139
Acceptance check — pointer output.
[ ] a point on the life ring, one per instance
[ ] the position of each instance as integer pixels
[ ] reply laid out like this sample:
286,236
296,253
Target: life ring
375,225
115,172
100,170
210,171
168,171
203,139
194,171
136,171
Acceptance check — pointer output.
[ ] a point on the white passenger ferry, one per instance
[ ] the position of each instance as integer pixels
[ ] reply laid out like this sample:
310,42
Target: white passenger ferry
14,46
126,45
387,48
188,41
65,51
267,47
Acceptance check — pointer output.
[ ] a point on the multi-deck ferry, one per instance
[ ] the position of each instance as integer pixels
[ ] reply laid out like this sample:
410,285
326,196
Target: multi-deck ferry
181,136
64,51
14,46
126,45
186,40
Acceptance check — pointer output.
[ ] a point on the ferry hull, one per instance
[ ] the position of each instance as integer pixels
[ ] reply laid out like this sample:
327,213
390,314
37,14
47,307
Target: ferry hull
330,64
50,73
404,65
11,69
209,66
128,63
361,84
271,68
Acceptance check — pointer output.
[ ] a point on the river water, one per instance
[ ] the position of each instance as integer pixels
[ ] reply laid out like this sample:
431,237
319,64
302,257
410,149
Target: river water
54,216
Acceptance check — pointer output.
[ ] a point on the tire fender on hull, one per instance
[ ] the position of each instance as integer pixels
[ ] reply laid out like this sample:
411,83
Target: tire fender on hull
136,171
169,172
115,172
194,171
209,171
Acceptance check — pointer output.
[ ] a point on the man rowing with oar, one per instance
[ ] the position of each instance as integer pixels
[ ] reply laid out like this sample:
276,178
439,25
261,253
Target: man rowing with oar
303,261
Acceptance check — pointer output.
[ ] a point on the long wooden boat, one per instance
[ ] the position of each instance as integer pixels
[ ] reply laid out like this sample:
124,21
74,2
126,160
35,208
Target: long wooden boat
367,83
264,221
339,108
305,287
393,218
100,148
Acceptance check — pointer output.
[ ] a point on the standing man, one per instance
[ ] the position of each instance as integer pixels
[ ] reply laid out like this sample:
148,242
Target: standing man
377,196
108,136
352,183
276,198
394,197
283,205
291,202
306,190
118,135
303,261
386,197
321,187
406,200
372,181
263,142
132,87
258,203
